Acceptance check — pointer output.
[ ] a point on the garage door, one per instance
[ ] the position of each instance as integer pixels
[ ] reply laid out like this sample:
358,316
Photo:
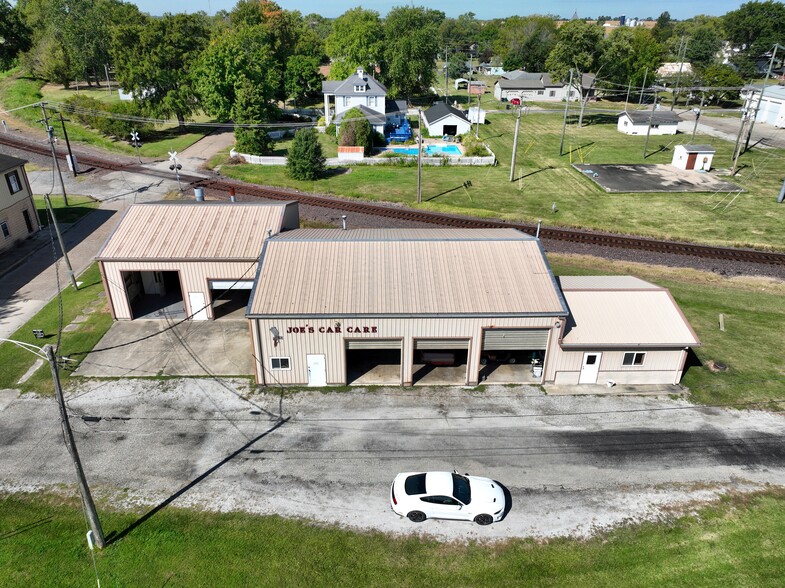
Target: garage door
516,339
373,344
231,284
441,344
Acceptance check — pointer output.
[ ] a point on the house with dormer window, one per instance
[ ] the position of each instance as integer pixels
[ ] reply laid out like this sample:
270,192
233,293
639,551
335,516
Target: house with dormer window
362,91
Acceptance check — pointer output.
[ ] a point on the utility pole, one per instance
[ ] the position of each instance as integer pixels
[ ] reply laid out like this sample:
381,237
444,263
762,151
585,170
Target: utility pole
477,128
648,130
564,125
760,99
51,132
446,76
682,54
697,112
71,158
627,99
84,489
737,148
419,155
643,86
68,268
515,144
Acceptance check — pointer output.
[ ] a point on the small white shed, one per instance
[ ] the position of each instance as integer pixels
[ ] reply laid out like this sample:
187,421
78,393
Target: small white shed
441,119
642,122
695,157
476,114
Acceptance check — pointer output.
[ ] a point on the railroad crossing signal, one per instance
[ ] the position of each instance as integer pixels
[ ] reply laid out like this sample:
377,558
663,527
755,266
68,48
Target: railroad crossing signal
136,143
175,167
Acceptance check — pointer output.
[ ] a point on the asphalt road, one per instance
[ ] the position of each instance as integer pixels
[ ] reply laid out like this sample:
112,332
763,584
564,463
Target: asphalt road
572,464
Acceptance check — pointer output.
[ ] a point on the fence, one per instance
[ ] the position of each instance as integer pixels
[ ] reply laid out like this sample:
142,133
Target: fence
335,162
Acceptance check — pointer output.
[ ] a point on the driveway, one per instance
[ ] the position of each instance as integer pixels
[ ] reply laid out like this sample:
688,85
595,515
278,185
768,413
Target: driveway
572,464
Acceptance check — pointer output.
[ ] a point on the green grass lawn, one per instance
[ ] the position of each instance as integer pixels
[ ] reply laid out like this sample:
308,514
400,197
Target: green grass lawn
18,91
78,206
735,543
89,300
753,219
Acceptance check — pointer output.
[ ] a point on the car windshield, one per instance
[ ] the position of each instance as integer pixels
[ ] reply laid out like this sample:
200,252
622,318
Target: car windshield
461,488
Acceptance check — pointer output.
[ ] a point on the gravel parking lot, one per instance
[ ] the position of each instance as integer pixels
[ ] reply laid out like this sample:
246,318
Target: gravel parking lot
573,465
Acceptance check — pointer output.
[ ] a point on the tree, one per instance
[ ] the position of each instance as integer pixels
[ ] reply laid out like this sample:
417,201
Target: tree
356,131
526,42
456,34
232,61
722,76
357,39
663,29
704,45
15,36
302,77
456,65
579,47
410,49
754,28
305,160
252,108
627,55
154,61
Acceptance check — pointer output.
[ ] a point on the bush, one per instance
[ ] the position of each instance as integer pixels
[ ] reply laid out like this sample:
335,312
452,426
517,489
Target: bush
305,160
330,132
473,147
356,131
254,141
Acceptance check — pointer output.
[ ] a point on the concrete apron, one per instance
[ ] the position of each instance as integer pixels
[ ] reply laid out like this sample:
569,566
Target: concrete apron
192,348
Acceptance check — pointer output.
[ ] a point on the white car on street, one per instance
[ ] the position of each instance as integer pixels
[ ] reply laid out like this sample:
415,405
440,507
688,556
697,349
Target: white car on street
447,495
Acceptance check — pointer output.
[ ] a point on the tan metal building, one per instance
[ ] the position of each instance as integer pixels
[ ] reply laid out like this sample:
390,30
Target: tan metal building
18,215
621,330
179,258
399,305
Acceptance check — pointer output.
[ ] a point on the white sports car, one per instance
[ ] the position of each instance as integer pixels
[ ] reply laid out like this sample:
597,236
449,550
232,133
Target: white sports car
447,495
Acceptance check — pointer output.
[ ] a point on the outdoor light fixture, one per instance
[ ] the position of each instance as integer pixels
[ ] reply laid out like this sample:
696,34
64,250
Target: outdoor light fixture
276,335
557,325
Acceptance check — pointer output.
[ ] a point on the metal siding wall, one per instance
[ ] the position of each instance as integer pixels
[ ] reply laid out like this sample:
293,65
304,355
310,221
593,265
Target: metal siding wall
661,366
193,278
14,219
296,346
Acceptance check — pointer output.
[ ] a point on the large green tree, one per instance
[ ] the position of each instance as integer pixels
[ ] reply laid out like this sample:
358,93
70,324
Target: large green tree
356,39
154,61
410,48
579,47
628,54
302,78
356,131
15,36
230,62
305,160
721,76
457,34
526,42
754,29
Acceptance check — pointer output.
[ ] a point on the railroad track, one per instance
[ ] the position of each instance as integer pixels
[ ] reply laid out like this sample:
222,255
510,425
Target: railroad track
220,187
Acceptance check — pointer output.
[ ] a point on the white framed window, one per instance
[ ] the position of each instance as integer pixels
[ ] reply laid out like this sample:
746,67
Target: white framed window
280,363
360,88
634,358
346,101
540,92
552,93
14,185
4,229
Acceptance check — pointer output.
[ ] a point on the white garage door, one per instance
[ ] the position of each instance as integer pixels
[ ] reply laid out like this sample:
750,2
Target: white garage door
515,339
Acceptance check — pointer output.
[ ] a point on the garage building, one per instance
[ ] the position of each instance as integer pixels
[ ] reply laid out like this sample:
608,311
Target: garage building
403,306
621,330
188,259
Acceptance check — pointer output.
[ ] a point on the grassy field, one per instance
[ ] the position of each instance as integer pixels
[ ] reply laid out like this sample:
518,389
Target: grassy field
736,543
78,206
543,177
89,300
17,91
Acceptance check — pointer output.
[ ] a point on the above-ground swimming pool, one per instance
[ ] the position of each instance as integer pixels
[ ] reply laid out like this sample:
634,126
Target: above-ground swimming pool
453,150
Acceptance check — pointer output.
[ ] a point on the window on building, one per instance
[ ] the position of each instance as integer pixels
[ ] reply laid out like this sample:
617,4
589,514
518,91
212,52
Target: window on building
4,228
280,363
346,101
540,92
359,88
633,358
14,185
372,101
552,93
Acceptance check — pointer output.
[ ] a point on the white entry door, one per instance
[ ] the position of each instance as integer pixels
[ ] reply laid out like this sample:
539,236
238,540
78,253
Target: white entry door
317,370
198,308
590,368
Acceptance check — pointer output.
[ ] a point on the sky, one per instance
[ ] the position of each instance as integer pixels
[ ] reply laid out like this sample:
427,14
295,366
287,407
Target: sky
483,11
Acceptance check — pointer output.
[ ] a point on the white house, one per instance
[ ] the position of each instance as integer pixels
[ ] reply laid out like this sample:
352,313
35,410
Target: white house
769,107
689,157
441,119
362,91
669,69
540,87
637,122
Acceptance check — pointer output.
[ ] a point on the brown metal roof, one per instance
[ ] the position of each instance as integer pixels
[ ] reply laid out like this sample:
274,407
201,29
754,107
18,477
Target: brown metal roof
626,318
191,230
405,272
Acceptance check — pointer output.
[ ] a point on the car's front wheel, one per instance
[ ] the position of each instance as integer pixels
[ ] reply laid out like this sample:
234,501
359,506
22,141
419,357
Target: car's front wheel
416,516
483,519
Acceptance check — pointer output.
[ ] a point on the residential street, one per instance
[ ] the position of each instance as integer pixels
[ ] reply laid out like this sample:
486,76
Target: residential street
573,464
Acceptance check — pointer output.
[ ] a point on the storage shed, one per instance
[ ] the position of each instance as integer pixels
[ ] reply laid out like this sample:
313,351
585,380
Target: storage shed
693,157
621,330
402,306
441,119
641,122
181,258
